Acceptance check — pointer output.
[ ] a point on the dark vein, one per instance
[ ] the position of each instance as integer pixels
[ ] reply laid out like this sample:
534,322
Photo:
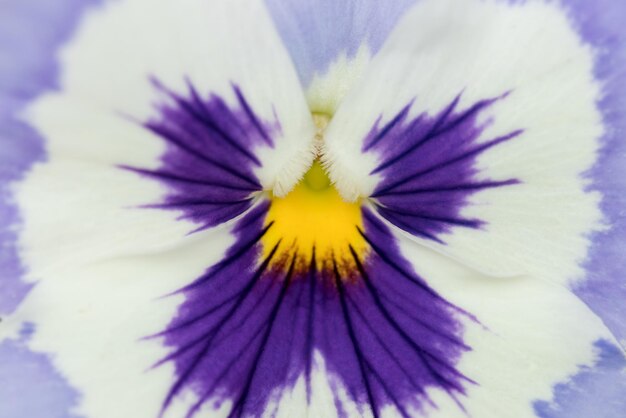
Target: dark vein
175,140
311,325
385,387
353,339
197,202
227,368
432,133
450,338
160,174
246,107
204,118
389,126
245,316
228,260
410,228
385,257
239,404
423,353
453,188
386,348
210,335
470,153
470,223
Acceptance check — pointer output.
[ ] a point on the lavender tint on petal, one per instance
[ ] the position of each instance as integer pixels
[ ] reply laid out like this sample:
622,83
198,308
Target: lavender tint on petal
30,33
317,32
598,391
248,327
427,165
601,24
208,165
31,387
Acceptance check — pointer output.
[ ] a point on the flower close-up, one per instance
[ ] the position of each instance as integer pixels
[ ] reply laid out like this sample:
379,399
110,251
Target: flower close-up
320,208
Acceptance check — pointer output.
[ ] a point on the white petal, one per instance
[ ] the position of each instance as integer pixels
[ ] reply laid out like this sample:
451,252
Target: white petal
94,319
90,124
479,50
531,335
102,262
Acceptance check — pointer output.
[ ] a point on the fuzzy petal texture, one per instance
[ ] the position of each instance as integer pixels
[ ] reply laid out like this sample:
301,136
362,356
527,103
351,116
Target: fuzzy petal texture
457,114
331,43
177,259
90,206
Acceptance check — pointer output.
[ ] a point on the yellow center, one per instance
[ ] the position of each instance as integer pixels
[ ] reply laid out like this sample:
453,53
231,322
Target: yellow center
314,216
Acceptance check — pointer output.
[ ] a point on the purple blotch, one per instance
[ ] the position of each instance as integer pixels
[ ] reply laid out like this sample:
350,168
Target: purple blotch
427,166
249,326
209,162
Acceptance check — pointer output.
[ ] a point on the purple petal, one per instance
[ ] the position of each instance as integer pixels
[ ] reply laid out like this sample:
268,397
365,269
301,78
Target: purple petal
317,32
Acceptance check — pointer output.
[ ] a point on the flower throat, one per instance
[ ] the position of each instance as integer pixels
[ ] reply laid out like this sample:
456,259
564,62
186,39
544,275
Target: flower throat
314,219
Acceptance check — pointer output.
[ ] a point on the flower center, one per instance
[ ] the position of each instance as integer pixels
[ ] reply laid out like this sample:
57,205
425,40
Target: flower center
314,221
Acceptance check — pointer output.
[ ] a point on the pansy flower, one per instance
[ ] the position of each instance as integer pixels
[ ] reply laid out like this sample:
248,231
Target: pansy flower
291,208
